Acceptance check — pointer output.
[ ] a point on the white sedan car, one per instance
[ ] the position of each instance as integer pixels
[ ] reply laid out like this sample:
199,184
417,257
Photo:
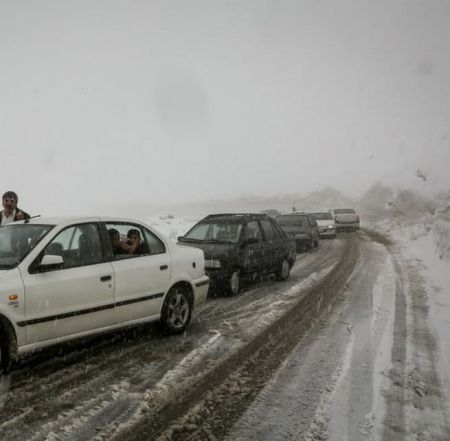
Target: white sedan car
62,279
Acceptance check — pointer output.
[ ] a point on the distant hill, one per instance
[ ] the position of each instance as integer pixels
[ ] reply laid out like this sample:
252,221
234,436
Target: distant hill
319,200
382,201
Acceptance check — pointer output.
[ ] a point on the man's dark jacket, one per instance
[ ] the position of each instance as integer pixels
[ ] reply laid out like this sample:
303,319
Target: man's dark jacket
18,210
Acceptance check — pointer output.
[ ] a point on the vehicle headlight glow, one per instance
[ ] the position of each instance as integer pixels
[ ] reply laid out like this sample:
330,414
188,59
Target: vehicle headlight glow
330,226
212,263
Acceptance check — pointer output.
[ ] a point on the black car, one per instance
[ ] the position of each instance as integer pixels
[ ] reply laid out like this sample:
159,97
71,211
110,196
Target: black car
238,246
301,226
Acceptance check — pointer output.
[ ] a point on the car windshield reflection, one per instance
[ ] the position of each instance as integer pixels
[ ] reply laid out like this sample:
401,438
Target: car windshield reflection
216,232
16,241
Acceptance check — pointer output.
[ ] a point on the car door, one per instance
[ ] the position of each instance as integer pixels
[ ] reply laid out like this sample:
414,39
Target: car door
314,229
279,243
74,298
253,249
272,250
142,277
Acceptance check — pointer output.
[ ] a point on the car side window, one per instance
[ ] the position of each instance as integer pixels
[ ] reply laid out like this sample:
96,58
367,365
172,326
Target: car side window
127,241
268,230
277,233
155,244
78,245
254,231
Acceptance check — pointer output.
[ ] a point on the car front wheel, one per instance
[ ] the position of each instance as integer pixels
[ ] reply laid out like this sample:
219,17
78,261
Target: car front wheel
5,358
283,272
177,310
234,282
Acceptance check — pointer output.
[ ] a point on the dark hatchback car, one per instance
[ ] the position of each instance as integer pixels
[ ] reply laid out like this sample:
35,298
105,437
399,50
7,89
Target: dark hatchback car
302,227
238,246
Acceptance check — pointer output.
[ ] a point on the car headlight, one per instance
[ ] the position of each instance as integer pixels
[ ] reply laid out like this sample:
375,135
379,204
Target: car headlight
212,263
330,226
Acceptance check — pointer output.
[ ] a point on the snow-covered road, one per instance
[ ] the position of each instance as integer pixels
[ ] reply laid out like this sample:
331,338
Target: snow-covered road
343,350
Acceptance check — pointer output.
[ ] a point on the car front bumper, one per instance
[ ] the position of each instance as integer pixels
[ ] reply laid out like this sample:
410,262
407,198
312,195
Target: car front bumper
201,286
218,277
328,232
347,226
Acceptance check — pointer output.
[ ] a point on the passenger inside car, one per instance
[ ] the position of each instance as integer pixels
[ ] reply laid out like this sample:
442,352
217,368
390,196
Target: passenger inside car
119,247
135,243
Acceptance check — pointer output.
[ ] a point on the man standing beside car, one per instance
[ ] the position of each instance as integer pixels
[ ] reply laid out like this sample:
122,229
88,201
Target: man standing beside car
10,212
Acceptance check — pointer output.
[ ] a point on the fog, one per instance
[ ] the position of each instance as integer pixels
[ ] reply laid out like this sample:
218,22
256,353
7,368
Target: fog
109,105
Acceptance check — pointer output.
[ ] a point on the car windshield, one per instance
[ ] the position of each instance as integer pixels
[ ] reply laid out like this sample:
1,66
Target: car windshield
344,211
292,220
216,230
322,216
16,241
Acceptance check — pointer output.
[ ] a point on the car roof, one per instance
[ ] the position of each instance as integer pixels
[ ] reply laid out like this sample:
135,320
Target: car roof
238,215
63,220
296,213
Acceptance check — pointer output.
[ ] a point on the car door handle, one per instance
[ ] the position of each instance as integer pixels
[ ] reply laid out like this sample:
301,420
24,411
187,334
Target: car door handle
164,267
105,278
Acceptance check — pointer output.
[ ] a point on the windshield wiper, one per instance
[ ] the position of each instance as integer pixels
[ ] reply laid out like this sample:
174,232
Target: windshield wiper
189,239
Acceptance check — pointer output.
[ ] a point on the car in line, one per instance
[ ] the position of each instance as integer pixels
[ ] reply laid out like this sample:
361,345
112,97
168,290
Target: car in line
241,246
62,279
325,221
346,219
302,227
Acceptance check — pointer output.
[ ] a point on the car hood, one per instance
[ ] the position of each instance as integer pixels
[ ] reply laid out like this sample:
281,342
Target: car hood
215,250
6,272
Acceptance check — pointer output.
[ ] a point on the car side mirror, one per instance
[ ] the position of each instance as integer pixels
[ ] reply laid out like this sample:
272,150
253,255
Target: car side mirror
50,261
180,238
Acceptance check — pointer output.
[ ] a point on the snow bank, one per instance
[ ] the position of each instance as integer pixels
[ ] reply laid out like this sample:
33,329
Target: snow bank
422,228
171,226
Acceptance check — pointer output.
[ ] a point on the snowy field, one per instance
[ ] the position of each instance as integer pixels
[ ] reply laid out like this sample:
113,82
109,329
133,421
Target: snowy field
424,237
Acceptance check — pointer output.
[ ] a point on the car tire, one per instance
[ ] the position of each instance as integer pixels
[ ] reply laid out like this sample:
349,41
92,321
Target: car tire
283,272
5,353
177,310
234,283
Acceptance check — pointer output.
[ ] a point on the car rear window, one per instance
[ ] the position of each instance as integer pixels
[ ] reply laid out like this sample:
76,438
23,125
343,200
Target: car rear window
293,220
322,216
344,211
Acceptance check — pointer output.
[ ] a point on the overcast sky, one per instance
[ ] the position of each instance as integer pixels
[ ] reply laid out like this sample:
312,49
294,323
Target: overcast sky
173,101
